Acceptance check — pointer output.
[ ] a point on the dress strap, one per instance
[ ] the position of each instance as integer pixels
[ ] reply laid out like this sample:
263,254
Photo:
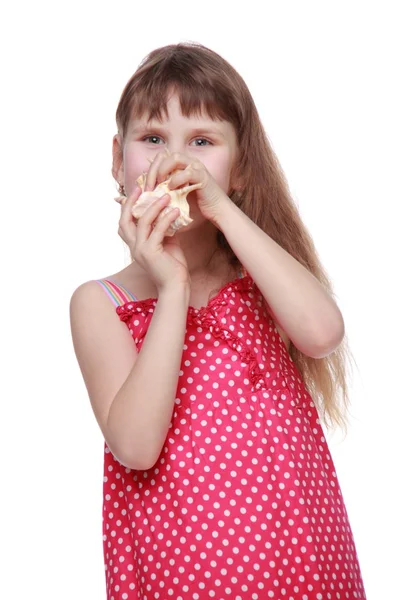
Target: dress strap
118,294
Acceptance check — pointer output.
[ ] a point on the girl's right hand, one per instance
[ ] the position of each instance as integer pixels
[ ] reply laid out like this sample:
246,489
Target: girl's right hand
162,257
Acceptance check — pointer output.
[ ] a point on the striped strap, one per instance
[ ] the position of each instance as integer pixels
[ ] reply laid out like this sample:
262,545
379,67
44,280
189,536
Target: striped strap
118,294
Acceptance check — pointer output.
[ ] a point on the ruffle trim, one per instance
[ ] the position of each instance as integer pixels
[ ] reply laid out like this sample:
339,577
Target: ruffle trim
125,311
209,317
241,284
211,322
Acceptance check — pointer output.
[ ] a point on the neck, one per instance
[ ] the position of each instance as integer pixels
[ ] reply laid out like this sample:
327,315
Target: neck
201,250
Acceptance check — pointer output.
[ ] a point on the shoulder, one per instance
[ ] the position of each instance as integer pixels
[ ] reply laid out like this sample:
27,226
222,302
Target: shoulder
85,292
94,323
88,301
88,290
91,298
130,278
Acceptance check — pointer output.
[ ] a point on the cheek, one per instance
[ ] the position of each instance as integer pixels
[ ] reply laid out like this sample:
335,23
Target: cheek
220,170
135,163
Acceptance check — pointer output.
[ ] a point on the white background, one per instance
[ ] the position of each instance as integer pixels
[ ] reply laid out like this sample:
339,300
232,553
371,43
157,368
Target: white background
325,79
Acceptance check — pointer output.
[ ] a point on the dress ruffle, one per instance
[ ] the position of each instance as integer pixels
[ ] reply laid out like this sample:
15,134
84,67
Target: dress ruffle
211,320
125,311
210,317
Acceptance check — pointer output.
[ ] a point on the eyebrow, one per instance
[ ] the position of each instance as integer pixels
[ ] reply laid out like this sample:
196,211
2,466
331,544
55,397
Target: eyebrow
160,128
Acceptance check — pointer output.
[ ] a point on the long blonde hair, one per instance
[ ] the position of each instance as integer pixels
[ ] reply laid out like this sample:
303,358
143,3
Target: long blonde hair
206,82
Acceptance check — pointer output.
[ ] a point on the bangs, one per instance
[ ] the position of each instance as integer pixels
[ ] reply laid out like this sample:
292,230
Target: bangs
193,102
199,96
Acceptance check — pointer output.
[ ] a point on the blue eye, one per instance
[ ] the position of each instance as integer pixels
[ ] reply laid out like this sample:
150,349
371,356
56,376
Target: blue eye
153,141
151,137
203,140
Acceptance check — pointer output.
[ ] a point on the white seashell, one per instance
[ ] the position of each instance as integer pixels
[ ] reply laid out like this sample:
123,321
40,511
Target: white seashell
178,200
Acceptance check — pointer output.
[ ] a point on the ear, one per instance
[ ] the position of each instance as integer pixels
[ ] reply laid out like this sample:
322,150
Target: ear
118,159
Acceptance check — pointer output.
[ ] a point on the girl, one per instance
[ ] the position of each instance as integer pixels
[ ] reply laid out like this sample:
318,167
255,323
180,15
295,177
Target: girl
206,369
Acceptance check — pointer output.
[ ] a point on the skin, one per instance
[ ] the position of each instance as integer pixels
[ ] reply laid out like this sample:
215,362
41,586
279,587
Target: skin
198,138
139,411
214,144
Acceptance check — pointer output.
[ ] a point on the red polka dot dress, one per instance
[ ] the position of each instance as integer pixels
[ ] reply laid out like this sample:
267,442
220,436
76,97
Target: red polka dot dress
243,502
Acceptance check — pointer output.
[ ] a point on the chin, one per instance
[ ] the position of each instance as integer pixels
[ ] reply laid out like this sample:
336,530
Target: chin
199,222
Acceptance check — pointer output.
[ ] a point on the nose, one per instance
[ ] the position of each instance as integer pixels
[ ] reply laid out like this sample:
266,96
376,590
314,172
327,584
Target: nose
179,143
176,146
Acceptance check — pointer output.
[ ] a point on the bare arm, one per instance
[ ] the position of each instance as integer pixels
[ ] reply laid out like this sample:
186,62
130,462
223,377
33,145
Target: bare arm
141,411
132,394
297,300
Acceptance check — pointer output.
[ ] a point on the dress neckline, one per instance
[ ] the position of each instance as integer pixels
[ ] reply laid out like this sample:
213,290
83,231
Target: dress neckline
234,283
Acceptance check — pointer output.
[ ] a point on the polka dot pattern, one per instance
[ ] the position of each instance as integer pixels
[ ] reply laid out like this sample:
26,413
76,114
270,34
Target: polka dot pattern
243,502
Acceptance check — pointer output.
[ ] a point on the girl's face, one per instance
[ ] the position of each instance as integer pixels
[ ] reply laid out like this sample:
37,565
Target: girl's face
212,142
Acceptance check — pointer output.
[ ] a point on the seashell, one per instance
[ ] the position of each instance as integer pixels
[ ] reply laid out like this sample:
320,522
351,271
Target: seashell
178,200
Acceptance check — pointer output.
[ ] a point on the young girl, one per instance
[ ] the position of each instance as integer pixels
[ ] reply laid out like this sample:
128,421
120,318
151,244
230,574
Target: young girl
206,359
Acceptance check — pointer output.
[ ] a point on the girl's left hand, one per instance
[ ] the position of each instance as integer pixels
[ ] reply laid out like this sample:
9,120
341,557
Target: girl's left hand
210,197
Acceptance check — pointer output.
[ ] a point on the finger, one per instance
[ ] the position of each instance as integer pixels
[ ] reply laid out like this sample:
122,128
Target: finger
126,218
126,207
181,177
185,177
172,163
146,221
153,170
160,228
